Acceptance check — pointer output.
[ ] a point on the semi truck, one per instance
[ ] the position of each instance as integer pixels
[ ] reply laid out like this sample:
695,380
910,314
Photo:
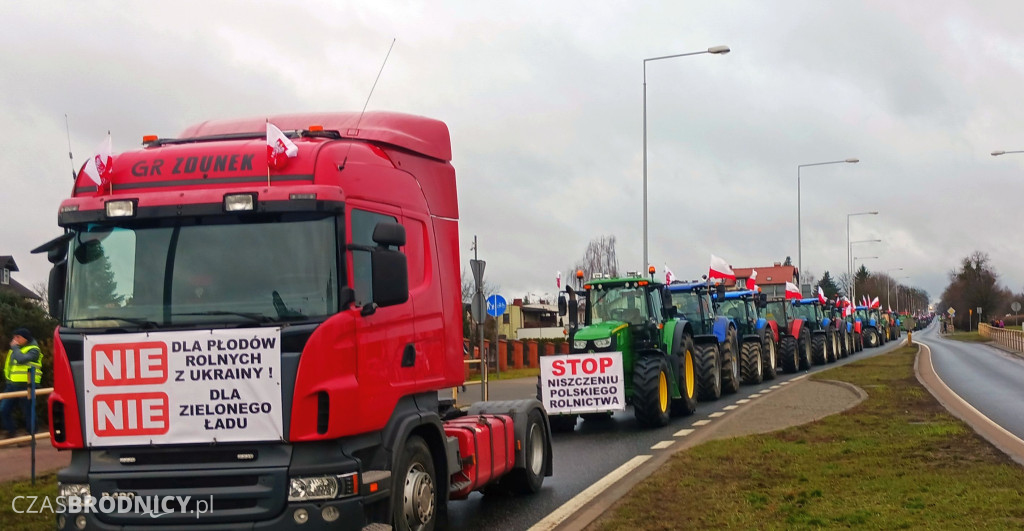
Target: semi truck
269,334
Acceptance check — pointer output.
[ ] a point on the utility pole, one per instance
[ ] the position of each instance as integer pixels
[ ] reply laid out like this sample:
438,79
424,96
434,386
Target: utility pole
479,312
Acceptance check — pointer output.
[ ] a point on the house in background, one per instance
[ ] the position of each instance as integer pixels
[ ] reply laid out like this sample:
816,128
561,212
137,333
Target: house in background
9,285
524,320
771,279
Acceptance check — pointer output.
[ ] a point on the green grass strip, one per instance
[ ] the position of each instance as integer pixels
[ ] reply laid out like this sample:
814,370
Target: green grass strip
896,461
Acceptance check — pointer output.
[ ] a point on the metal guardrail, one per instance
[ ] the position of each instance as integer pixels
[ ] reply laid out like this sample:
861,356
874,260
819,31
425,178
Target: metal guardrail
1007,337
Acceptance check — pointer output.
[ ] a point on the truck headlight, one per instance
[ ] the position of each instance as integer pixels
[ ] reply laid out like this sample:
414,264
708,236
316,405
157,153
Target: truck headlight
67,490
313,488
603,343
120,209
579,345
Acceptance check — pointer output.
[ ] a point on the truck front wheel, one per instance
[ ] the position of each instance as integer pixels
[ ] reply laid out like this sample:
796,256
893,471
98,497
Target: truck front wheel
416,507
650,390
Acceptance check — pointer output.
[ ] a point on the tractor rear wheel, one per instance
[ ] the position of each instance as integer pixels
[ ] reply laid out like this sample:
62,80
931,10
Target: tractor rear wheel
832,348
650,391
819,346
804,351
769,358
751,365
686,404
790,357
709,373
730,363
872,338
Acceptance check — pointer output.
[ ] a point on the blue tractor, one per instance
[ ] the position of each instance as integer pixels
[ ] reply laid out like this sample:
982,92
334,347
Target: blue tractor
715,338
757,335
824,339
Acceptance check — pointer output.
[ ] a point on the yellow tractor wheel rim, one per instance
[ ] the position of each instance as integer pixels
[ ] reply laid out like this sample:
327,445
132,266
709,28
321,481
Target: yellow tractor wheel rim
688,373
663,391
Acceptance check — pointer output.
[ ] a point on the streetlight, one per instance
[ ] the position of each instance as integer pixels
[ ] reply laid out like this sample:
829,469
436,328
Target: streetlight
997,153
849,251
799,236
717,50
855,258
848,265
887,279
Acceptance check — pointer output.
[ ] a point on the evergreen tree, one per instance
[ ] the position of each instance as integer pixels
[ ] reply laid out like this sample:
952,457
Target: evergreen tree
828,285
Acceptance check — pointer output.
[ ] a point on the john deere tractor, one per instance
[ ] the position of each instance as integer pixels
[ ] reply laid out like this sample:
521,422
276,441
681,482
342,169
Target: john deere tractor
715,337
757,334
630,316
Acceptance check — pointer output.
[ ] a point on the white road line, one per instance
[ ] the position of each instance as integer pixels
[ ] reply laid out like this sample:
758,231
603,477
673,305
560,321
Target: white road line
567,509
662,445
716,414
801,377
758,395
785,383
683,432
730,408
776,386
743,401
701,423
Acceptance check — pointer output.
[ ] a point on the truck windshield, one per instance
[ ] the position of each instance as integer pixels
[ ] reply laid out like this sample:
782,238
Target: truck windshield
621,304
195,272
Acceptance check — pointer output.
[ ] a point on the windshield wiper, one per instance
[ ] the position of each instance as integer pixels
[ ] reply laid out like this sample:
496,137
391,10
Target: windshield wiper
256,317
144,323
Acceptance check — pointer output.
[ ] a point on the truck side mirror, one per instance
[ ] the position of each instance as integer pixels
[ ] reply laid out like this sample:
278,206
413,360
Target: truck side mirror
762,300
667,307
573,307
55,289
563,305
389,267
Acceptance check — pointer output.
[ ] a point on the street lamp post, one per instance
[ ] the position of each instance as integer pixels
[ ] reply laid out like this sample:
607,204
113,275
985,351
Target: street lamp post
997,153
850,266
855,258
849,250
799,235
717,50
887,279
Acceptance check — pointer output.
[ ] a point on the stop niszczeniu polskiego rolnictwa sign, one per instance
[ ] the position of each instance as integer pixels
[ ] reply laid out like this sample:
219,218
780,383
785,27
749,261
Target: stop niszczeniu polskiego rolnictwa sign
582,383
192,386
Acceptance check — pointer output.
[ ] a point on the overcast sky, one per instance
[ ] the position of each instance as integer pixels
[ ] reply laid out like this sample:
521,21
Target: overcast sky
544,101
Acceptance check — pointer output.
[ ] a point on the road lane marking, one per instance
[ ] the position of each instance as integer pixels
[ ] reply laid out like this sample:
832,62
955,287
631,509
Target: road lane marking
785,383
776,386
662,445
743,401
730,408
683,432
701,423
716,414
801,377
570,507
758,395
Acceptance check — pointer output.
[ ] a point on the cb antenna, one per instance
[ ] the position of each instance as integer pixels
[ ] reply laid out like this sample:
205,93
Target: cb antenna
362,112
71,159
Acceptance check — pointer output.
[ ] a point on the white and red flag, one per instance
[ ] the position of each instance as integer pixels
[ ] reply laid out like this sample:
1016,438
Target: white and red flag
669,275
558,280
279,148
875,303
792,291
847,307
821,295
720,269
100,166
751,282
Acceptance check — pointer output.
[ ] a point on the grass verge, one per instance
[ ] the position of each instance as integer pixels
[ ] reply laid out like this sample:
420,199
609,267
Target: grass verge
896,461
970,337
40,519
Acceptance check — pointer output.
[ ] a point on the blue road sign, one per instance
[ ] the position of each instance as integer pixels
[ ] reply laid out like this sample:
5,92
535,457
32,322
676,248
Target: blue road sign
495,305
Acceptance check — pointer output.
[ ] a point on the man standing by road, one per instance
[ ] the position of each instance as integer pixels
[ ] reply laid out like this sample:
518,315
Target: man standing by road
24,353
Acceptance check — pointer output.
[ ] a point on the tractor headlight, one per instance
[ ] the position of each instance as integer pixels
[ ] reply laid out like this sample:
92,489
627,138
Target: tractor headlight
579,345
603,343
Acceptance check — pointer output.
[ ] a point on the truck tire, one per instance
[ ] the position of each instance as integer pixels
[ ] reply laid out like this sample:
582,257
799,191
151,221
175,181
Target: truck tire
686,404
730,363
750,362
709,373
788,346
417,499
529,479
872,338
819,347
803,348
769,358
650,391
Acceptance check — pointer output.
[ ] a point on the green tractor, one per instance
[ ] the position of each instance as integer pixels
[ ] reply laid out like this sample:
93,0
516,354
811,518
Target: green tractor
619,324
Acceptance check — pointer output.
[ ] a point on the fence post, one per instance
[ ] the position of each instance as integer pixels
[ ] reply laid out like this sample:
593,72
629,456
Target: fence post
31,420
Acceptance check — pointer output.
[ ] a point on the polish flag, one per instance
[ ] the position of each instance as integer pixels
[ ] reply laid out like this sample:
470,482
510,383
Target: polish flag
875,303
720,269
750,281
792,291
100,166
669,275
558,280
821,295
279,148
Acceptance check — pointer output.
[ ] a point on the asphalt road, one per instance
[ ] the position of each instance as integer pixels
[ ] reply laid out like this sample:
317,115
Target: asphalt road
989,379
594,450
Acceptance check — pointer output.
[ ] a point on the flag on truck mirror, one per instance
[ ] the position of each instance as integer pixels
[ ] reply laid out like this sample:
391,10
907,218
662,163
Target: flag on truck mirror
99,167
279,148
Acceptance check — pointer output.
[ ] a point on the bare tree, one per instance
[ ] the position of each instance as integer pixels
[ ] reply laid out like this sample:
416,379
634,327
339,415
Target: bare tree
43,290
599,257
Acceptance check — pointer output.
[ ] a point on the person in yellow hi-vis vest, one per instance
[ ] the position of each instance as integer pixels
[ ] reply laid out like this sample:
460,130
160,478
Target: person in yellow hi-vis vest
24,353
